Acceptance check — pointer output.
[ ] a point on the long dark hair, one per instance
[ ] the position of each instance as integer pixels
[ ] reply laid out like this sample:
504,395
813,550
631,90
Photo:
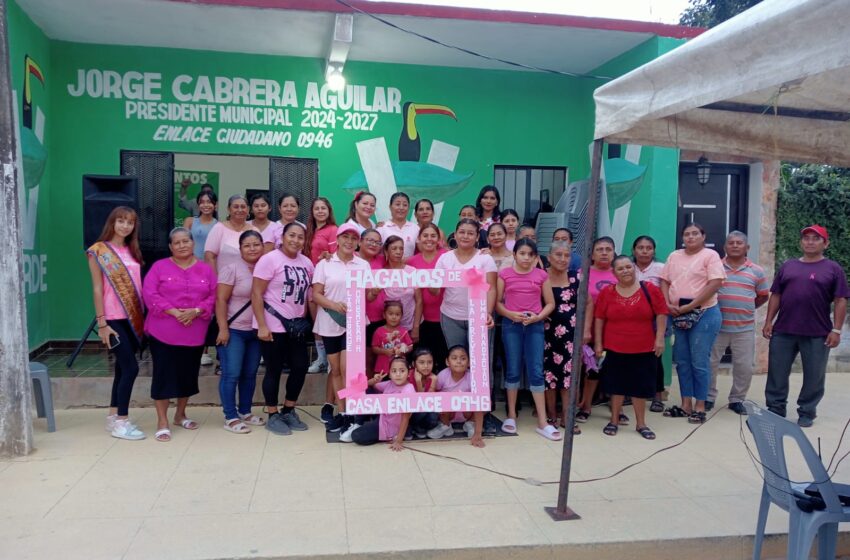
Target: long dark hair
352,208
132,240
312,227
479,211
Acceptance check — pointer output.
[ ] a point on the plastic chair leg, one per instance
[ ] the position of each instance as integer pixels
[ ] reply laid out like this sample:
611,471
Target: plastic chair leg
827,541
761,523
38,393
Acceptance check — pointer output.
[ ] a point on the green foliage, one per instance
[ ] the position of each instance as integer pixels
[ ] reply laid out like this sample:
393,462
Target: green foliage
813,194
708,13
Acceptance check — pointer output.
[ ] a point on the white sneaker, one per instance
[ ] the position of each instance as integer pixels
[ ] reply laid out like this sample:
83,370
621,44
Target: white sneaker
469,428
124,429
110,422
441,430
317,366
206,360
345,436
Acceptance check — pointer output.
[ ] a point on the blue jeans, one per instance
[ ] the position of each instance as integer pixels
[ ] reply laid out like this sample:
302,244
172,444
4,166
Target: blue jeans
692,353
523,345
239,362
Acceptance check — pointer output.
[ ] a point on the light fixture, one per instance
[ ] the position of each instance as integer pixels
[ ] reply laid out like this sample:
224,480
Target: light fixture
703,171
334,77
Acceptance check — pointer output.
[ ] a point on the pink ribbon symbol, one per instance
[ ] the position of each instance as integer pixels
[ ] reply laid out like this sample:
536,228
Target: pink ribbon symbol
476,282
356,388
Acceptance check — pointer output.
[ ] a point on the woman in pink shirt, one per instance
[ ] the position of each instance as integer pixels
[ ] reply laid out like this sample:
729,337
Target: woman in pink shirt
222,245
521,293
399,225
260,207
180,295
423,211
237,345
410,298
430,332
280,293
371,251
320,243
329,290
115,263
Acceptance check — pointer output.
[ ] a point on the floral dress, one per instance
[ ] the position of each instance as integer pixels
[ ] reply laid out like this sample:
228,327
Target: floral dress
560,328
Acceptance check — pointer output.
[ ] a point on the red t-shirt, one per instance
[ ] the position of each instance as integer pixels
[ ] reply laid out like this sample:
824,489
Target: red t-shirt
629,320
430,303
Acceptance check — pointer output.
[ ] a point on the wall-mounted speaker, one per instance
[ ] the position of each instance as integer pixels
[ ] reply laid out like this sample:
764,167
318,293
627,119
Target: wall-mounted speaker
102,193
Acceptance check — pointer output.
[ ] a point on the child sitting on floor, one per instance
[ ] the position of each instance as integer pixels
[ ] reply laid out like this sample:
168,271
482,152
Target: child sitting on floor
391,339
387,427
455,379
422,377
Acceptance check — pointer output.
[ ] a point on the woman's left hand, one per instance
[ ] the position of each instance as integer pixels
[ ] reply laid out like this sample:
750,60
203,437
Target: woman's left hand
659,346
529,319
490,322
414,334
223,337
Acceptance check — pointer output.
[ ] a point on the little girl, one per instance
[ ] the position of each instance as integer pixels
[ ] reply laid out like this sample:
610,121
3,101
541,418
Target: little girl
388,427
391,339
424,380
455,379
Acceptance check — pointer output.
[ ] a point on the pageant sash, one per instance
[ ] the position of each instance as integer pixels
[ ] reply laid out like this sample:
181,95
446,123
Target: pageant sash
122,283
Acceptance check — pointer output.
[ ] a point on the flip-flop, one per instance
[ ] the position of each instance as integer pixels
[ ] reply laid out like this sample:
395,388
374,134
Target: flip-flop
550,432
163,435
236,426
509,426
656,406
252,420
676,412
187,424
582,416
623,420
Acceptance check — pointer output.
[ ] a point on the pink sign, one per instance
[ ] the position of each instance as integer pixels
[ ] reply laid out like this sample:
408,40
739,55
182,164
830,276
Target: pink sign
357,401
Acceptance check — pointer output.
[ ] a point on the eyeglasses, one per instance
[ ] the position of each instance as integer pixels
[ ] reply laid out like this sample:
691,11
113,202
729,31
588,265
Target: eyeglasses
372,241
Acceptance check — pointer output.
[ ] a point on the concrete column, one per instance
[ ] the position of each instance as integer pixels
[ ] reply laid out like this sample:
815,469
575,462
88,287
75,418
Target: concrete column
767,247
15,384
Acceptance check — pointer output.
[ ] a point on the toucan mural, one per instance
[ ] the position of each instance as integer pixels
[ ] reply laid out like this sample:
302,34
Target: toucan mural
32,149
432,180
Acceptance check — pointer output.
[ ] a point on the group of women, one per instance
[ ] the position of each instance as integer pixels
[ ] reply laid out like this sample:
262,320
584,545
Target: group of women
259,289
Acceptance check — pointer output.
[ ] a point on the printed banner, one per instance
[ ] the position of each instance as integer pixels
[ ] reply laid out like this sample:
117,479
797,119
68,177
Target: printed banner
357,401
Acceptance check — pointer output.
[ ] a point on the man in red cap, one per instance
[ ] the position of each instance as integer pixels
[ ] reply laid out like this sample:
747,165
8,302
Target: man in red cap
802,293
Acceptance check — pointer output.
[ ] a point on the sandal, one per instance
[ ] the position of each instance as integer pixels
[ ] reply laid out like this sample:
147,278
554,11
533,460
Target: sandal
163,435
252,420
576,430
236,426
187,424
623,420
550,432
676,412
509,426
656,406
582,416
646,432
696,418
610,429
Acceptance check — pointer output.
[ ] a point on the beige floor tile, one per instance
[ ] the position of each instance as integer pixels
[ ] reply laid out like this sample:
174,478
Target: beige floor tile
600,521
485,525
299,481
72,539
262,535
374,476
31,487
741,513
450,485
226,492
391,529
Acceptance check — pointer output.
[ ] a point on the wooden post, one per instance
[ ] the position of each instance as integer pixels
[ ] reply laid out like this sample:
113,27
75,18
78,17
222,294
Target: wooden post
15,384
562,511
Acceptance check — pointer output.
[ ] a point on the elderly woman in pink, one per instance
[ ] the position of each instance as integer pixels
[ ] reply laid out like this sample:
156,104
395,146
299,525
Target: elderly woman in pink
179,293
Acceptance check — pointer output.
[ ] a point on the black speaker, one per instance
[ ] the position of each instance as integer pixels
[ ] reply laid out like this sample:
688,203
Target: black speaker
102,193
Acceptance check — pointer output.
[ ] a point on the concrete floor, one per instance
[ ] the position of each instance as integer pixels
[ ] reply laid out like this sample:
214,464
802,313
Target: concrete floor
211,494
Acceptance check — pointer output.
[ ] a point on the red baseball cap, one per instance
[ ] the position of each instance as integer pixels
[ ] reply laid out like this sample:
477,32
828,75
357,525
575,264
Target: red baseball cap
816,229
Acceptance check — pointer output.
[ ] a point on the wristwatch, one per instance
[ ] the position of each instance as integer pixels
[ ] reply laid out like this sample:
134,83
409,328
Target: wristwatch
837,331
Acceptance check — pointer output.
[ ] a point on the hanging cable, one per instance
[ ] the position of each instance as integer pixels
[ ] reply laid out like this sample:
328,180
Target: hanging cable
470,51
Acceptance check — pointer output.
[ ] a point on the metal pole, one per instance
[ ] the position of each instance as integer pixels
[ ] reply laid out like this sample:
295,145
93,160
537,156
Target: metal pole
562,512
15,384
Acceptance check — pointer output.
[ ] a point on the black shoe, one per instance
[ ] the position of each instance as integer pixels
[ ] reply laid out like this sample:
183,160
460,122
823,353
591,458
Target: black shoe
777,411
336,423
327,413
491,425
805,421
738,408
709,405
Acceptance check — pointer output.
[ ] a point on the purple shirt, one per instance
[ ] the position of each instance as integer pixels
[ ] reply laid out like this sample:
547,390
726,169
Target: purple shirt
167,286
808,290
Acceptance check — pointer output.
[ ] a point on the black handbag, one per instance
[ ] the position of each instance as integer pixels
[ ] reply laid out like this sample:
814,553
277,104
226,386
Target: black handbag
212,330
298,328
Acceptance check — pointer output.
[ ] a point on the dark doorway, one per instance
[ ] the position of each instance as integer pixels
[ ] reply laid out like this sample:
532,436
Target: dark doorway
529,190
719,206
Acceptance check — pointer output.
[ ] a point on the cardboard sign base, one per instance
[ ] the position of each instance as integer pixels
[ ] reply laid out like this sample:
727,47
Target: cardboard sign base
333,437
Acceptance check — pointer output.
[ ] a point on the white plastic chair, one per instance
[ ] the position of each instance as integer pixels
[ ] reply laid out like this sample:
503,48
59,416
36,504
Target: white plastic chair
809,515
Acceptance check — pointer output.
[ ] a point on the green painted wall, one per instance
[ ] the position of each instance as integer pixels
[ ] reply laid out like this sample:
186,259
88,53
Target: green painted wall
502,118
27,39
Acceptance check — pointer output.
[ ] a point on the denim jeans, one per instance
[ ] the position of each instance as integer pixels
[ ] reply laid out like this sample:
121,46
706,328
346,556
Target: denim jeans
781,355
240,359
692,352
523,345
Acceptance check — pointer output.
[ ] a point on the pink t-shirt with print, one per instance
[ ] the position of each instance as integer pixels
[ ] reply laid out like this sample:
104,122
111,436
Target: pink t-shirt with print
289,284
456,300
688,274
241,277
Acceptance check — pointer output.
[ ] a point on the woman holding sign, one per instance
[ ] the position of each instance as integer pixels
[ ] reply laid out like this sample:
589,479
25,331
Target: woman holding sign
430,332
329,290
410,298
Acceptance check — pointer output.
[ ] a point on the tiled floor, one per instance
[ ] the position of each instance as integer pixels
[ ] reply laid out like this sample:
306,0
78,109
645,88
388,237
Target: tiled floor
211,494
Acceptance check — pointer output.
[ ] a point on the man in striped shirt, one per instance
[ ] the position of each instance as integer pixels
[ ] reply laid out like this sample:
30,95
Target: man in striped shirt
744,290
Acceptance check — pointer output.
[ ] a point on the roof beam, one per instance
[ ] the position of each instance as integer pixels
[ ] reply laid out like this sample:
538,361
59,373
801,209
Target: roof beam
794,112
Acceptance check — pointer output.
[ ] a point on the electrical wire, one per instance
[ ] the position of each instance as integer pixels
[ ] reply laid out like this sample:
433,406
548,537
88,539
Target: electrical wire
470,51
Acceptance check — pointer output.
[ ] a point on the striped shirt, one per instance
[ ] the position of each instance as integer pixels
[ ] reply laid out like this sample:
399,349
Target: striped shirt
737,296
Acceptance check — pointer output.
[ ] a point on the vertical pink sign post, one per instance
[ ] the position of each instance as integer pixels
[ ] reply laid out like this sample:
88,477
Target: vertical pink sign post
357,400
